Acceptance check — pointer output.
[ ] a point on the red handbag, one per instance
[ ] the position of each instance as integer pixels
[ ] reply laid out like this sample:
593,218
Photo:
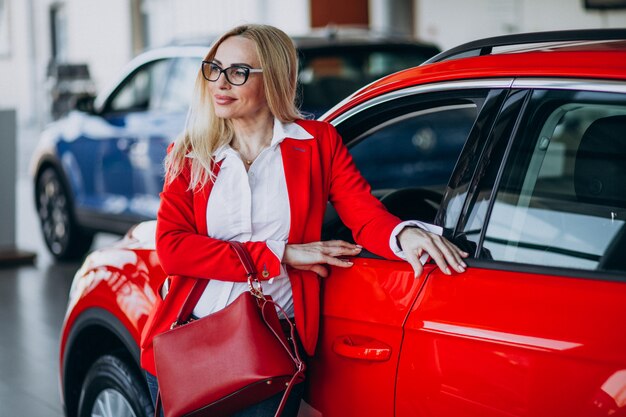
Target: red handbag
228,360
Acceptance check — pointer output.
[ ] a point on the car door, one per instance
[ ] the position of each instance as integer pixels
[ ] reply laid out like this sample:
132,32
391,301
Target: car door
364,307
107,182
162,124
536,326
148,111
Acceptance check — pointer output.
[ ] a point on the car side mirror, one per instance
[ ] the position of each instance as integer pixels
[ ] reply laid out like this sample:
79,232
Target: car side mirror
84,103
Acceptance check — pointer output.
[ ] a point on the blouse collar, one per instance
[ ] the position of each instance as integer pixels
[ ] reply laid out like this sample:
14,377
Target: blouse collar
280,132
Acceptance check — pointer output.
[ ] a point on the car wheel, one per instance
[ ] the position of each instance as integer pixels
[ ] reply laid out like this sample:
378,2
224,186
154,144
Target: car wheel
64,238
113,389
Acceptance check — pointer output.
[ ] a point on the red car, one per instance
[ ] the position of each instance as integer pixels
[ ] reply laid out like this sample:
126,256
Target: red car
536,192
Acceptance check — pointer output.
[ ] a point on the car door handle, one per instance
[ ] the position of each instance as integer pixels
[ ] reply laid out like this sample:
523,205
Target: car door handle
361,347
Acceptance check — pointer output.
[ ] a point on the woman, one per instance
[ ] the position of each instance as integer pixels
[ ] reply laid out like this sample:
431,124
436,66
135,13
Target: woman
273,175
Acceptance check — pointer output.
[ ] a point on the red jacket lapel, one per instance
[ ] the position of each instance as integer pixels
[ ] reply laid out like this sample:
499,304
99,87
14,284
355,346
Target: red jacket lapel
296,156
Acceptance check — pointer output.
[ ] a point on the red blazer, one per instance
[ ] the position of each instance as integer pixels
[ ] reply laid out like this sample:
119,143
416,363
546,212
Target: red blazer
316,170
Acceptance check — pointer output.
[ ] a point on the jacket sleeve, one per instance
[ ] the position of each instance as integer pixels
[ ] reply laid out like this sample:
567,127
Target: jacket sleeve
370,222
184,251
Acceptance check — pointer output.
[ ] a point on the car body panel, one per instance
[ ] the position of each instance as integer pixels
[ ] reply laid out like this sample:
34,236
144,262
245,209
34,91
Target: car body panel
494,343
363,311
123,280
115,165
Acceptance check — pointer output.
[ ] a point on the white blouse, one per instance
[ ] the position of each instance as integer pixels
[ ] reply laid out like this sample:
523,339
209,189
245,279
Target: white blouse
254,206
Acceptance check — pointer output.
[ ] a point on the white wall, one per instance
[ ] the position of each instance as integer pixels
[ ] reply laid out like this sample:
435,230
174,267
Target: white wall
451,22
99,33
15,70
173,19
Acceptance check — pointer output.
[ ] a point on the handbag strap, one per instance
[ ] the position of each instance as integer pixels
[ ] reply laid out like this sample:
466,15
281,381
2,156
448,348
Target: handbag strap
295,356
244,257
190,302
198,289
251,272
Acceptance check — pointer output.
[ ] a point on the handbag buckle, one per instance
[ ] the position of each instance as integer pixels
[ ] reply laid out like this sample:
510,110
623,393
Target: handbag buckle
254,285
176,323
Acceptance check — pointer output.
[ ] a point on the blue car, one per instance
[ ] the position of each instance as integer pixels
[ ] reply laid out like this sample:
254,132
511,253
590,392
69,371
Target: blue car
100,168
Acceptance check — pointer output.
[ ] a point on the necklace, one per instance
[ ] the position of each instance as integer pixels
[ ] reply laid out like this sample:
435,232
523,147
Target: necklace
248,161
244,159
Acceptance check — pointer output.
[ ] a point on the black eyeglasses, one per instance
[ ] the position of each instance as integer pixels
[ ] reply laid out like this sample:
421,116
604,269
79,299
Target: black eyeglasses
236,74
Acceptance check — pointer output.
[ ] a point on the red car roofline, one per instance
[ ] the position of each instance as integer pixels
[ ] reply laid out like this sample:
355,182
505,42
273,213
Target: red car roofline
593,64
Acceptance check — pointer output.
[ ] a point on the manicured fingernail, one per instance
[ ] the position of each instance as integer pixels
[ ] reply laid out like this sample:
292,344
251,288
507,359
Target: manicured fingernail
447,271
463,264
359,246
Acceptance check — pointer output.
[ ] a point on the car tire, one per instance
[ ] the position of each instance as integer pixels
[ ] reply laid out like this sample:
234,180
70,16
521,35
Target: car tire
113,389
65,239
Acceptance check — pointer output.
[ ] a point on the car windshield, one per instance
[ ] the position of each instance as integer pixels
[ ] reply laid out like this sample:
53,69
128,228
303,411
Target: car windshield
329,75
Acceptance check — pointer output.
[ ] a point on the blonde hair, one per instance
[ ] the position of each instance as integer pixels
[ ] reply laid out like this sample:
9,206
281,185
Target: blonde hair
205,132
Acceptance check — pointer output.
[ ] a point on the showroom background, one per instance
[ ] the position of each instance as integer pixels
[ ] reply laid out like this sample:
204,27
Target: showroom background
36,35
107,34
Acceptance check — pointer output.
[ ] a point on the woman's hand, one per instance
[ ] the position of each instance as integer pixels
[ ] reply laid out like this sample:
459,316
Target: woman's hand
313,256
415,241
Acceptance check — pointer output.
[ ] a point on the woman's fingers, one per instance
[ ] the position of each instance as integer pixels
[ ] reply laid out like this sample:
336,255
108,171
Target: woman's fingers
334,248
341,251
433,250
340,243
315,255
450,254
445,254
456,252
319,270
344,263
414,259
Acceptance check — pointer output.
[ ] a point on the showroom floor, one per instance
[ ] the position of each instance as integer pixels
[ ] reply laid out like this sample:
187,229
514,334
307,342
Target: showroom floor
32,306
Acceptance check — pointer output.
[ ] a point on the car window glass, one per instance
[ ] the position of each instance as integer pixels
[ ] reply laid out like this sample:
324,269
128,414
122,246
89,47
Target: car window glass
475,177
406,149
415,149
142,90
380,63
177,92
562,200
327,78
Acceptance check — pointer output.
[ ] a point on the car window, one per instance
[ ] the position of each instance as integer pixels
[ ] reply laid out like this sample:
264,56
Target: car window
406,149
177,92
328,76
415,149
562,199
141,91
468,194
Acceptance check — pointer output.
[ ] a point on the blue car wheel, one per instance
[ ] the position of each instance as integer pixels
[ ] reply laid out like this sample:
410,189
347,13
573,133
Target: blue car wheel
63,236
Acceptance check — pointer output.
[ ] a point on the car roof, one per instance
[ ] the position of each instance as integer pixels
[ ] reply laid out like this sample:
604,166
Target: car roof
595,59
